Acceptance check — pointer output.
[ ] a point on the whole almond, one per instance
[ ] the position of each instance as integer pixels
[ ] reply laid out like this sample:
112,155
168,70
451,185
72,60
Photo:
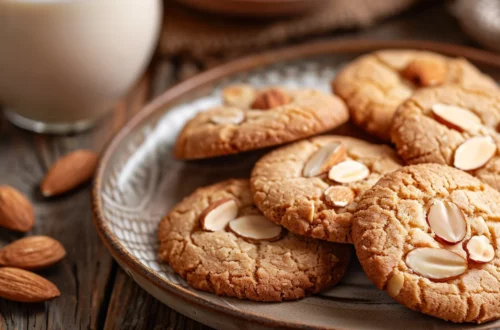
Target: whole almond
271,98
24,286
31,253
69,172
16,211
425,72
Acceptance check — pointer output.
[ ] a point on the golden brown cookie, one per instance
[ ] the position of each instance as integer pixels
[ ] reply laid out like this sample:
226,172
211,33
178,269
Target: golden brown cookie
453,126
253,119
219,242
312,187
374,85
429,234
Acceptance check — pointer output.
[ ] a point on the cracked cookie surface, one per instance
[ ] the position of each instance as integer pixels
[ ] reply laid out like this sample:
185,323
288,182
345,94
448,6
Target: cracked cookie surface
420,138
298,203
393,219
374,85
223,263
266,117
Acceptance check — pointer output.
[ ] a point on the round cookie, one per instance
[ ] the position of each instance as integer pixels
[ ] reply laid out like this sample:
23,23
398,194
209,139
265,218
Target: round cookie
304,202
435,125
253,119
287,268
429,234
374,85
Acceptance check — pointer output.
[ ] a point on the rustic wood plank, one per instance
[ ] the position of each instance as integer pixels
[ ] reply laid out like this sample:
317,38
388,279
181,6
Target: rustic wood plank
133,308
85,276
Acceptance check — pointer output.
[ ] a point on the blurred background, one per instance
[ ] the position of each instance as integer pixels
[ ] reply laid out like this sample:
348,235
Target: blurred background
72,73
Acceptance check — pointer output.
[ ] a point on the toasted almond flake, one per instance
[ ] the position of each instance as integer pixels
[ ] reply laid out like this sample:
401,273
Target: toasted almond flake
436,263
395,284
479,249
348,171
447,221
218,214
339,196
238,95
256,228
474,153
457,118
228,116
324,158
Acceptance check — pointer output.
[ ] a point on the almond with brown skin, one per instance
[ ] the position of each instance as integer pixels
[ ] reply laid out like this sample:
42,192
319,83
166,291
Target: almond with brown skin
324,158
16,211
31,253
24,286
271,98
425,72
69,172
218,214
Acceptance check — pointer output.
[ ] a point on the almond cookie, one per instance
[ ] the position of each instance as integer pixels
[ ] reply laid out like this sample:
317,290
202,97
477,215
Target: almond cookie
253,119
312,187
453,126
219,242
429,235
375,84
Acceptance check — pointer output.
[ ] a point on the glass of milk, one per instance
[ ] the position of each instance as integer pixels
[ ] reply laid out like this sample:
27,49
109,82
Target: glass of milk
65,63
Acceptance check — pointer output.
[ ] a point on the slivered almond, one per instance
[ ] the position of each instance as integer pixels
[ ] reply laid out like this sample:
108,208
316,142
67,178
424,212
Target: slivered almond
69,172
218,214
271,98
425,72
24,286
339,196
348,171
447,221
256,228
16,211
241,96
228,115
456,118
395,284
479,249
31,253
474,153
324,158
436,263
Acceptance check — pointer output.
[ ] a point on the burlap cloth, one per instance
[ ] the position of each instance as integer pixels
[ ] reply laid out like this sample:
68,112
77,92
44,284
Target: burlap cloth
199,35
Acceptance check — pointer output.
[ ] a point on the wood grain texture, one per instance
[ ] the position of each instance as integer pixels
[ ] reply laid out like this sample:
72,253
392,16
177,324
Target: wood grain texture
133,308
95,293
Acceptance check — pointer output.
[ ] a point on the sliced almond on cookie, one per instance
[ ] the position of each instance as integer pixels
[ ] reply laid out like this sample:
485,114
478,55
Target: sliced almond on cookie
339,196
218,214
436,263
479,249
395,284
447,221
425,72
323,159
238,95
256,228
227,116
474,153
348,171
454,117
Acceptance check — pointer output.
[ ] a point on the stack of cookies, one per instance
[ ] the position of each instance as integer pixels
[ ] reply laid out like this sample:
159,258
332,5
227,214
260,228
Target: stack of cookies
428,233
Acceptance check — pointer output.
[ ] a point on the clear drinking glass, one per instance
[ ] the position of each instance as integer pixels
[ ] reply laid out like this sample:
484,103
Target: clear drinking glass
65,63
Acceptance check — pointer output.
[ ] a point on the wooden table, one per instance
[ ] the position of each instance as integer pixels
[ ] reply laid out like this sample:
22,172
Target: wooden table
95,292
